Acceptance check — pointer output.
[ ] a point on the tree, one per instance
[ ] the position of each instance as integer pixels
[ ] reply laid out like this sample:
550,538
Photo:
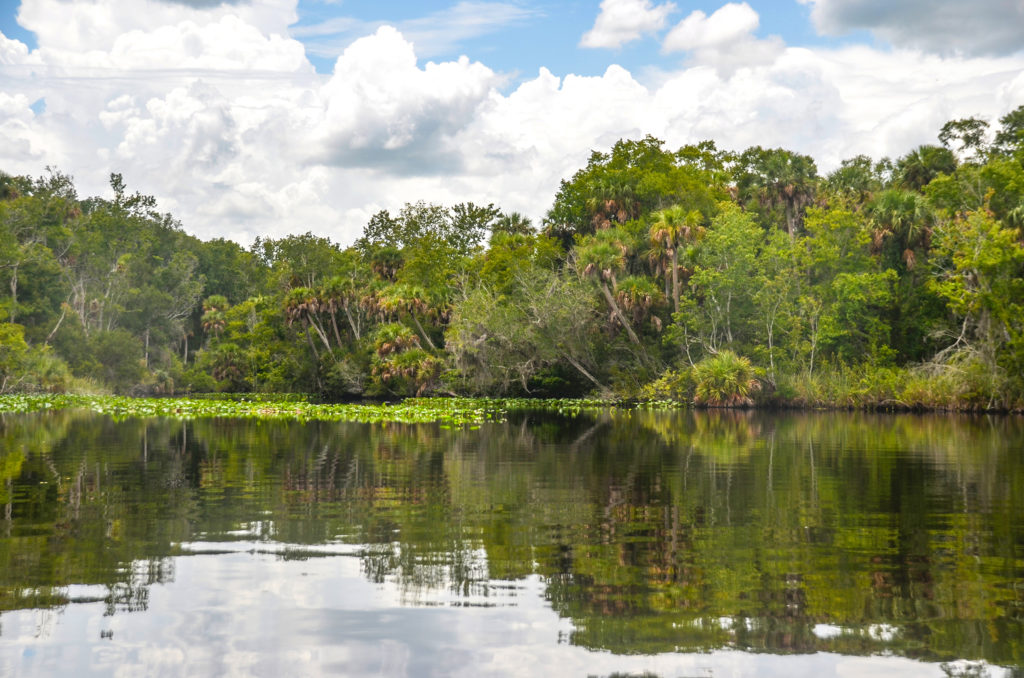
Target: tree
916,169
298,260
599,257
857,179
512,223
966,138
405,300
498,340
214,318
903,217
635,178
776,179
978,268
777,284
1010,137
720,312
846,299
672,228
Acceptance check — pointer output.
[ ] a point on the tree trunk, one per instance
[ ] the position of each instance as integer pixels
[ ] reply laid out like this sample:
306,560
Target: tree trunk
312,346
320,333
618,313
586,374
334,325
351,322
63,312
420,328
14,294
675,278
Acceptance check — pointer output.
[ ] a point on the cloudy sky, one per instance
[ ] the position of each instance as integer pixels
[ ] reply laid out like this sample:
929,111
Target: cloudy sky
269,117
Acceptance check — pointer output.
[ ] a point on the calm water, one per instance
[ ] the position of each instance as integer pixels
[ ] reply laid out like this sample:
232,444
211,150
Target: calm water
666,543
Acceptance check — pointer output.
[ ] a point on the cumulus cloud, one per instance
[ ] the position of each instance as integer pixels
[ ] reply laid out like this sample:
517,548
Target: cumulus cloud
382,110
981,27
725,39
21,140
622,21
228,125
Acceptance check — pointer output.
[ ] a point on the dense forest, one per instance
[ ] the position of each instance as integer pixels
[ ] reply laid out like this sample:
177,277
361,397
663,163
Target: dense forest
694,274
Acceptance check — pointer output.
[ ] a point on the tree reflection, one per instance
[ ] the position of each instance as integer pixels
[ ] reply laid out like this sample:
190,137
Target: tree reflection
652,531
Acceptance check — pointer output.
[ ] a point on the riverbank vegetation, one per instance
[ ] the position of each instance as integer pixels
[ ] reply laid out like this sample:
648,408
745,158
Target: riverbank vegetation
691,274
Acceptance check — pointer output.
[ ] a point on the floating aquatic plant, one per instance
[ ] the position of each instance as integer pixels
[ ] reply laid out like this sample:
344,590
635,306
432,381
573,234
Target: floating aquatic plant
446,411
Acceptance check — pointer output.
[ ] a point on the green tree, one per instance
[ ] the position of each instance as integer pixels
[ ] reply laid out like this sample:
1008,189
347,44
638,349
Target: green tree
776,180
600,257
1009,139
916,169
857,179
966,138
978,266
499,340
720,313
672,228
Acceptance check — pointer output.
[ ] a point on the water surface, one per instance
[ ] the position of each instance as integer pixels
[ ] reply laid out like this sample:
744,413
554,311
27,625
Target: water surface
619,542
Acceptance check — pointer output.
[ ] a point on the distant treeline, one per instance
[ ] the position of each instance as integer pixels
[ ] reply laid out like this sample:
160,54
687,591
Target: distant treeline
694,274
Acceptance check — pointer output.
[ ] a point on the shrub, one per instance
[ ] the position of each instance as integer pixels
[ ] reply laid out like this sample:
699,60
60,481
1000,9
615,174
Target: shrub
725,380
672,385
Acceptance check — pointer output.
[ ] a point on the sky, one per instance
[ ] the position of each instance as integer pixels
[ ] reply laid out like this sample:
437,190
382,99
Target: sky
251,118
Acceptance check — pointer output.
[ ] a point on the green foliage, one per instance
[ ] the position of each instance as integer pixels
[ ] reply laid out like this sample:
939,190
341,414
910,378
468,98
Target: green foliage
674,385
119,358
500,341
978,268
724,380
723,280
919,167
1010,137
776,184
857,178
650,257
634,179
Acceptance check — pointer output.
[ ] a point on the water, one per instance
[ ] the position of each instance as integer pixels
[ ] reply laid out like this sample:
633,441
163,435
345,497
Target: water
628,543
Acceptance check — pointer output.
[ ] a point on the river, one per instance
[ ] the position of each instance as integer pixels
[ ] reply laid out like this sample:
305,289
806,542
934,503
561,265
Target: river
618,542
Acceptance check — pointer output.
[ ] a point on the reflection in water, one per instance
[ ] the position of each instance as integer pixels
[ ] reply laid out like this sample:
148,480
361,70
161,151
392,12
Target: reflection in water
646,532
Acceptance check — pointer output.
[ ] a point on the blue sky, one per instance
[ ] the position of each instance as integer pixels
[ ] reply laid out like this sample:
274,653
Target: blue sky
517,41
543,34
268,117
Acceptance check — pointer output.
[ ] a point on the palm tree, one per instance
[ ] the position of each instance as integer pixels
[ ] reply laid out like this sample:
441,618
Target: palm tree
214,320
599,257
405,299
303,305
904,215
916,169
513,223
637,296
777,178
672,227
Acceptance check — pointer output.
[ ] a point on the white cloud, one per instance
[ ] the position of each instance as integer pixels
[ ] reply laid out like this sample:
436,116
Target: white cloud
382,110
729,23
226,123
990,27
94,25
22,142
622,21
725,39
